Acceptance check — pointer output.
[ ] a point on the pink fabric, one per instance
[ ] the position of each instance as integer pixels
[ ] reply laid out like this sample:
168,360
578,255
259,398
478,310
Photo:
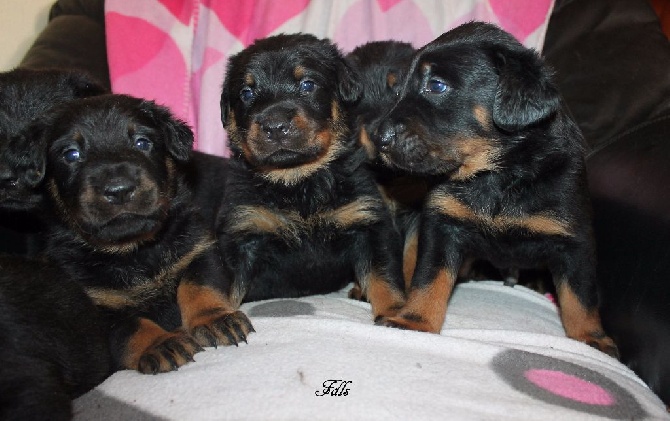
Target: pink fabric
570,387
175,51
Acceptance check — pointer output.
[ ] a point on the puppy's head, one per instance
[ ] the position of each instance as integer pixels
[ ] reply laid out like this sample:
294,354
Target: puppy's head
25,96
282,105
382,67
113,168
472,95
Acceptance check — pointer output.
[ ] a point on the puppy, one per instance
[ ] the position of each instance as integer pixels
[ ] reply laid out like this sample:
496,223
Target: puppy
481,118
25,95
127,230
382,67
54,342
302,214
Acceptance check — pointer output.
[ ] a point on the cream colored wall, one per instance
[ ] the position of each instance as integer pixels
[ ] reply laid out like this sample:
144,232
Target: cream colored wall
20,22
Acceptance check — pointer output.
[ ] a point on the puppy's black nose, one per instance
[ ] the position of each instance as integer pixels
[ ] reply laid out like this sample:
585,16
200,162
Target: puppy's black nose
8,178
119,191
387,134
274,127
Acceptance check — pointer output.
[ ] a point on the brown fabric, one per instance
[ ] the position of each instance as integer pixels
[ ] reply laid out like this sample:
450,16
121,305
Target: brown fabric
94,9
612,62
74,38
662,9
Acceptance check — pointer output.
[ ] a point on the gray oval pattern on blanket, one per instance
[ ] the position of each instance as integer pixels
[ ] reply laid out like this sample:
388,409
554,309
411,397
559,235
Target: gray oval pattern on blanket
282,308
566,384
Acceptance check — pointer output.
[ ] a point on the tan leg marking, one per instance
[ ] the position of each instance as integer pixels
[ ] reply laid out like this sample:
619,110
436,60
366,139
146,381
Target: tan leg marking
410,254
386,301
426,308
583,324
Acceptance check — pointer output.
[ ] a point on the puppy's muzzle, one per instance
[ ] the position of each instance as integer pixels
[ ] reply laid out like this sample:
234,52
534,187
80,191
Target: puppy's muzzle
282,137
112,190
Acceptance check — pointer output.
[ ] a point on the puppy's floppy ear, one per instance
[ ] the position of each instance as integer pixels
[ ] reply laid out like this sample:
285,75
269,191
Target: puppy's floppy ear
349,86
178,135
180,145
526,93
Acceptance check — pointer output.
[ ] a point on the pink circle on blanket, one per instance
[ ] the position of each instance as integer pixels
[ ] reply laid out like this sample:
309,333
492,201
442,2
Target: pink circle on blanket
252,19
570,387
521,18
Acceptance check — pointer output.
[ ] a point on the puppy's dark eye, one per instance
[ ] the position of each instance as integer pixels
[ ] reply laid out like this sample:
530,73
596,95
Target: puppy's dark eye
71,155
307,85
246,94
436,86
143,144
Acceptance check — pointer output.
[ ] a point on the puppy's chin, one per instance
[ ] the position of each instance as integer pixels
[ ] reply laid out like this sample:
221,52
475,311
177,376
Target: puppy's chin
20,202
122,233
286,158
418,164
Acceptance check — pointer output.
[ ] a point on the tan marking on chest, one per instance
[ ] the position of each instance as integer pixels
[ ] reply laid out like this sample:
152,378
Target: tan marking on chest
150,288
290,225
362,211
539,223
477,155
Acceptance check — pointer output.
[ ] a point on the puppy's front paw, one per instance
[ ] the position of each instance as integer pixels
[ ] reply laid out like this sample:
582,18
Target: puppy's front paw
168,353
602,342
408,322
219,327
356,293
389,311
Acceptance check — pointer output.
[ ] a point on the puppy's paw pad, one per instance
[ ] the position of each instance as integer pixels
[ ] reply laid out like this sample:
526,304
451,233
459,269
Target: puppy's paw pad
389,312
356,293
389,322
223,328
406,322
168,354
604,344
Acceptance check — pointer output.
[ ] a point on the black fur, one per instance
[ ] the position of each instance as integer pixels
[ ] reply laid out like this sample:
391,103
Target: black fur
480,117
382,68
26,95
53,342
302,214
126,228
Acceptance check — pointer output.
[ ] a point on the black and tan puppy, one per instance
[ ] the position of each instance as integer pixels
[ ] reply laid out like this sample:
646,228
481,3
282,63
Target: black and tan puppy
302,213
25,95
126,229
480,116
54,344
382,67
